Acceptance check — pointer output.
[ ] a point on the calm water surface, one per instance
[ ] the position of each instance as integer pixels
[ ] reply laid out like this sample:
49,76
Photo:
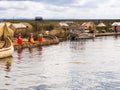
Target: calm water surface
77,65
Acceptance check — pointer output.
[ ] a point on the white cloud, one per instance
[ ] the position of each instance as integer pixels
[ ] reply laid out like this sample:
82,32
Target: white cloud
79,9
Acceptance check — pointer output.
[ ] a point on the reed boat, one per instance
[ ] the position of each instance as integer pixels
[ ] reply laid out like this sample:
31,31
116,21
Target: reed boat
76,36
7,49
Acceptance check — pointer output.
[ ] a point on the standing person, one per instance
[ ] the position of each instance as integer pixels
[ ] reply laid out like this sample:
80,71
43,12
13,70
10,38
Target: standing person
115,29
40,37
19,38
31,38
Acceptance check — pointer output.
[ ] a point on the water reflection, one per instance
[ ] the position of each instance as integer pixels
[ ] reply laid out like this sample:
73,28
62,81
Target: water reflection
39,49
5,70
78,45
19,51
6,63
31,51
116,36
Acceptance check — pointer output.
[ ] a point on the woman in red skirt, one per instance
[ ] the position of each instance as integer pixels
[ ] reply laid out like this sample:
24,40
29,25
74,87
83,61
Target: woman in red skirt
40,38
19,39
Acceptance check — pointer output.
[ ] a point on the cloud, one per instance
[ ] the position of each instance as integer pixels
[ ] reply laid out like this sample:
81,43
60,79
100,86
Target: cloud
56,2
60,9
2,8
12,5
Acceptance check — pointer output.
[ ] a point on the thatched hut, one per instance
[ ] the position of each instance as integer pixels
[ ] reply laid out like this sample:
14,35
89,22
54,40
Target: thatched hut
20,28
59,32
101,27
116,24
64,25
29,26
89,26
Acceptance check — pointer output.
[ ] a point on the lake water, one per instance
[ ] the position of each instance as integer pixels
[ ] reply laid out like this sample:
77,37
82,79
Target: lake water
76,65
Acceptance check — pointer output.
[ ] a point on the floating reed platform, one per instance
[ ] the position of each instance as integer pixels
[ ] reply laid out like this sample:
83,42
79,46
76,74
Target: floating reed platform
106,34
46,42
35,44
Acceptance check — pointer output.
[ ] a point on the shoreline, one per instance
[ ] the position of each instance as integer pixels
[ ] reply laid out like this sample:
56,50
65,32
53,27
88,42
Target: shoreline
53,41
106,34
27,44
47,42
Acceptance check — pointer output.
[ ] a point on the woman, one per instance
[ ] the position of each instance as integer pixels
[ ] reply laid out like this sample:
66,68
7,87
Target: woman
40,37
31,38
19,38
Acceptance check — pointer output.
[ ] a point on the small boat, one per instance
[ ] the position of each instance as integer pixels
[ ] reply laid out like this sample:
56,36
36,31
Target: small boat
7,49
78,36
85,36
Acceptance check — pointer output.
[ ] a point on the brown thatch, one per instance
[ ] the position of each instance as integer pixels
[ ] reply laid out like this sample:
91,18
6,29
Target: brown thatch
101,25
22,28
29,26
116,24
5,30
58,32
63,24
88,25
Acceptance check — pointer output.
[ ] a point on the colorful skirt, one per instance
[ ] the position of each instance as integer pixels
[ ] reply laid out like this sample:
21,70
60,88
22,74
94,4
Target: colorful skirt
32,40
40,39
19,41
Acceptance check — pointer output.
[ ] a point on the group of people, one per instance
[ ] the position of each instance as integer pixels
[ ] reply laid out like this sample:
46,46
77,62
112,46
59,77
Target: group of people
30,38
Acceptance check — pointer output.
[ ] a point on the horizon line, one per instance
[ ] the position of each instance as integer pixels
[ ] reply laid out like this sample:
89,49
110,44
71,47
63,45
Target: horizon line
61,19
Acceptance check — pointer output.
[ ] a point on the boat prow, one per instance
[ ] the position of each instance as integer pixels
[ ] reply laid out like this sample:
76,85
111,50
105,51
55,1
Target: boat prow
7,49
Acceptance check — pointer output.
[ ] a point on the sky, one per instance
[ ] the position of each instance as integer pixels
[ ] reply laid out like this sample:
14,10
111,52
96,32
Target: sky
60,9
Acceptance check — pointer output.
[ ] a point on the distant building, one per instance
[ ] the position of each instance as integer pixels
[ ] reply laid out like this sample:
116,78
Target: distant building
38,19
101,25
116,24
62,24
69,22
88,25
19,28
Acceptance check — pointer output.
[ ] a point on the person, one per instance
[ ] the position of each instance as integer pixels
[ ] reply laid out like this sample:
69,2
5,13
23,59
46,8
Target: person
19,38
31,38
115,29
40,37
